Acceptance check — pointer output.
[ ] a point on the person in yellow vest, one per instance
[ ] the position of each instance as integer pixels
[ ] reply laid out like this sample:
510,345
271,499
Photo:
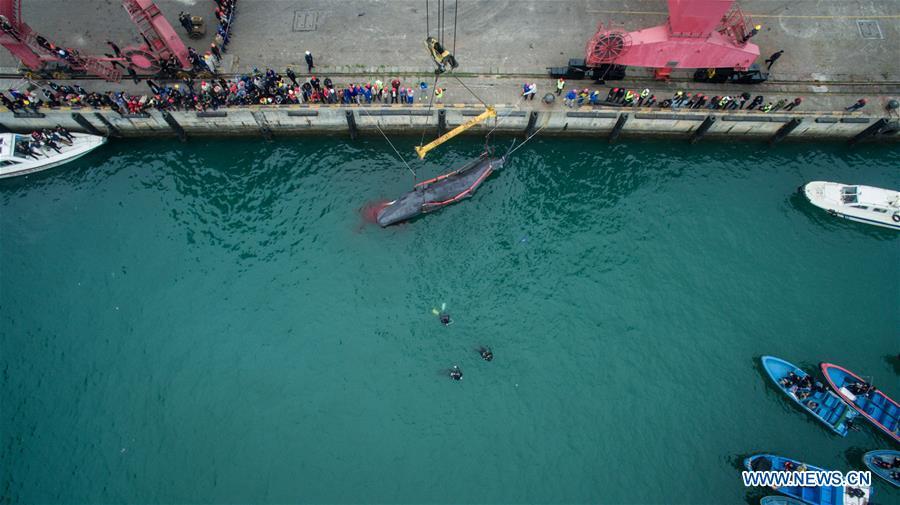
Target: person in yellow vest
644,95
438,94
629,97
560,84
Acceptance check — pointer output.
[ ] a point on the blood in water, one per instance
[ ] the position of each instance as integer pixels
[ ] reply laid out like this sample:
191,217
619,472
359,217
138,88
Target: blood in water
370,211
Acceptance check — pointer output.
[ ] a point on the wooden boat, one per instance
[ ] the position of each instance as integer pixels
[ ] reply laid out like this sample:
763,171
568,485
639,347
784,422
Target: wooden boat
888,457
875,405
824,405
820,495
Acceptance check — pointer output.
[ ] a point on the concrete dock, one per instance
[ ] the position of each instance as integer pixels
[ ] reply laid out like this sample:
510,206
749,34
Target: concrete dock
835,53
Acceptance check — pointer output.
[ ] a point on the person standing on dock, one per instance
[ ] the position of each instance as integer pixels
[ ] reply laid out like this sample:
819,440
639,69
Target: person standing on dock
858,105
772,59
214,49
185,20
309,62
751,34
560,84
291,75
438,94
793,104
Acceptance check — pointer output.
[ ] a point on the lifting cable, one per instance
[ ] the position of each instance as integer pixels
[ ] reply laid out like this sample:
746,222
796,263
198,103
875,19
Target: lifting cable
377,125
455,13
525,141
430,103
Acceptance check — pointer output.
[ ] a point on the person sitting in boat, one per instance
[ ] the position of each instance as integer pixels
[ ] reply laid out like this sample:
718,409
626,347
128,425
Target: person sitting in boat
895,476
456,373
805,382
859,388
818,387
52,135
788,466
812,405
63,132
802,395
30,148
896,462
486,354
880,463
790,380
855,492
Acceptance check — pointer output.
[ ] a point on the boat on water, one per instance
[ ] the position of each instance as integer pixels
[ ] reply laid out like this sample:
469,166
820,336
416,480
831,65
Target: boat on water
872,403
810,395
885,464
779,500
865,204
437,193
19,154
818,495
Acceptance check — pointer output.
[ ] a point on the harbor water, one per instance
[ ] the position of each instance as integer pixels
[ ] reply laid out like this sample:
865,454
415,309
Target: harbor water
219,322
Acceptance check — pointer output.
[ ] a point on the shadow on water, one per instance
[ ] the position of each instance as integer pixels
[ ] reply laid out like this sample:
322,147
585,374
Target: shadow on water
894,361
854,457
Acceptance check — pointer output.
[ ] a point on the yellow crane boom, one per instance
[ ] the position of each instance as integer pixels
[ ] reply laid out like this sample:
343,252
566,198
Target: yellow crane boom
423,150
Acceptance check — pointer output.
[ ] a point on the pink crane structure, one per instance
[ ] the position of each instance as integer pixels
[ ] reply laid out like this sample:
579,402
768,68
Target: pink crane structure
36,52
697,34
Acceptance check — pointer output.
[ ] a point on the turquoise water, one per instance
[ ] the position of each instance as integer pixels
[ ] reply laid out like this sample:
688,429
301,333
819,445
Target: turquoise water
216,322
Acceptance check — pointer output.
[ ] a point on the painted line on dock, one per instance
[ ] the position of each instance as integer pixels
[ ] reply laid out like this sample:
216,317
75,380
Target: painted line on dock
760,16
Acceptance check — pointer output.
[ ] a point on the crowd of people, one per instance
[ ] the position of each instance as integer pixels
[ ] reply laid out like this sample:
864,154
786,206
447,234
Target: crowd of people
44,139
622,97
262,88
274,88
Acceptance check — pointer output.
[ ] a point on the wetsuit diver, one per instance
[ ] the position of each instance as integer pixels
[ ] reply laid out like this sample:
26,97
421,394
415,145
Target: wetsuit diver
486,354
456,373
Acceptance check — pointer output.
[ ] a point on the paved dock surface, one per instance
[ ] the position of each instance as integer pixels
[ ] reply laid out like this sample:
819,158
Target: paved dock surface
822,40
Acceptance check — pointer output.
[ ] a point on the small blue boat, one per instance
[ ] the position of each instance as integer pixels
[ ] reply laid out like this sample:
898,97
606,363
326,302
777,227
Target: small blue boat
874,405
887,457
779,500
815,399
820,495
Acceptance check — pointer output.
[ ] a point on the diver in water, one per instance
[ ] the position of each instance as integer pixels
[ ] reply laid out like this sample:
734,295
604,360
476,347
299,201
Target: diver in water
445,319
456,373
486,354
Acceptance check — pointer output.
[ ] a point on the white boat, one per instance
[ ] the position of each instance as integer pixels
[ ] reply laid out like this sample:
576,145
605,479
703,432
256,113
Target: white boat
865,204
14,160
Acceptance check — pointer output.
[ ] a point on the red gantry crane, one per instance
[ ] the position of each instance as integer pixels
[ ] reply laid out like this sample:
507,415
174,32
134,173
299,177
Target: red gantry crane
698,34
38,53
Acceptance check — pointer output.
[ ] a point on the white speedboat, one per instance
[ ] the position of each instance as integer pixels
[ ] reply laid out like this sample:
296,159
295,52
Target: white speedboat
865,204
15,160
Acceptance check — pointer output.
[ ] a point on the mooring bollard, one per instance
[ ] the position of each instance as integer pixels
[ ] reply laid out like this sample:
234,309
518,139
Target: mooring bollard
702,129
617,129
173,124
871,131
442,122
532,120
351,123
84,123
113,131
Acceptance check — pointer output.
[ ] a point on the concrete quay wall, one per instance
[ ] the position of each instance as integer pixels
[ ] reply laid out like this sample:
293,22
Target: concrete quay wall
270,121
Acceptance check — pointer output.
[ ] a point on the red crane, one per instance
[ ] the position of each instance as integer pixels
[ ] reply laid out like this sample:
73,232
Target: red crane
707,34
36,51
